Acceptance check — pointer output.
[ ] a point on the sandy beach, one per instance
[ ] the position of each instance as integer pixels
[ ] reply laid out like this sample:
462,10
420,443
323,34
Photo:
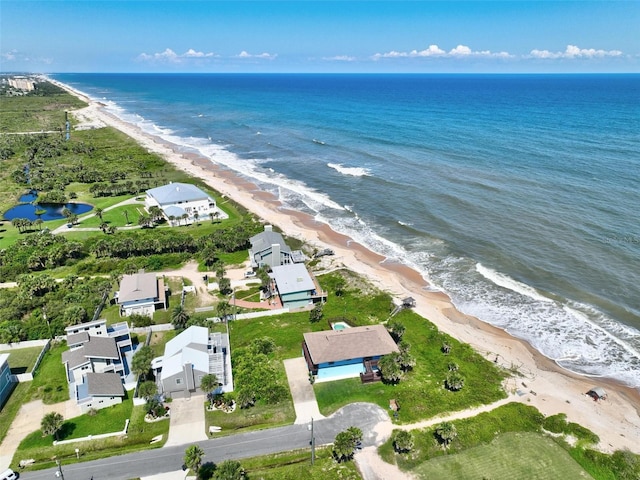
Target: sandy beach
548,387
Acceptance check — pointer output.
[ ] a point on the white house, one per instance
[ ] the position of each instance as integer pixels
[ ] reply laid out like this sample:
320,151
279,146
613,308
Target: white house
191,355
141,293
181,202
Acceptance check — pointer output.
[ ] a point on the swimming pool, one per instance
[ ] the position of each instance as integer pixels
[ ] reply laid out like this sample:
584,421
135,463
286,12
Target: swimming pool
340,326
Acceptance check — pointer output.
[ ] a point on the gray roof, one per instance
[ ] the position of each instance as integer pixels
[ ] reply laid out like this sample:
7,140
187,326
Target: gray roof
138,287
292,278
104,384
176,193
96,347
263,241
356,342
76,338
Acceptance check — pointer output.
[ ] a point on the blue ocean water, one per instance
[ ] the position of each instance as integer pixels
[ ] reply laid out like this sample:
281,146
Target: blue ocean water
518,195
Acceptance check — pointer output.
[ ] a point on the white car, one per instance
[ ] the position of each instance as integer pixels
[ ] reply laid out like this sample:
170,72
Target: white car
249,274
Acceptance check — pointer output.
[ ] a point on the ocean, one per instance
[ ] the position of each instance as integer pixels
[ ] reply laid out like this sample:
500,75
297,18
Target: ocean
517,195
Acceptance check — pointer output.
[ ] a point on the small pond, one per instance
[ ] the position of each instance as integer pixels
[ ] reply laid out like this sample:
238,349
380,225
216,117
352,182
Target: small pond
52,211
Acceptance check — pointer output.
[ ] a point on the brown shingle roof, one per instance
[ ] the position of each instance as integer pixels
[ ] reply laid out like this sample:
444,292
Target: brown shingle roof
104,384
356,342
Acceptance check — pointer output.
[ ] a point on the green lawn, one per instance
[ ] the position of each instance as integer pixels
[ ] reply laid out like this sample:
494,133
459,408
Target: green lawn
22,360
107,420
296,465
50,380
254,418
509,456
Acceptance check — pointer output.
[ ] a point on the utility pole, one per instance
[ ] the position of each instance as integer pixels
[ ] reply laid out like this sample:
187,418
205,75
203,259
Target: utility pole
59,473
313,444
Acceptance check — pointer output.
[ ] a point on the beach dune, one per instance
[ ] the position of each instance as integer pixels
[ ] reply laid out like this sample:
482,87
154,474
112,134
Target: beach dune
538,380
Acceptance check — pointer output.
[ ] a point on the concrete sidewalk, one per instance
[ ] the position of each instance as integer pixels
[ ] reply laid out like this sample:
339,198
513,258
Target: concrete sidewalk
304,398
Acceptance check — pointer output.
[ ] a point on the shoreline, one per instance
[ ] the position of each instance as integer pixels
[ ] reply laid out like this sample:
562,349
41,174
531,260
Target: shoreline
616,420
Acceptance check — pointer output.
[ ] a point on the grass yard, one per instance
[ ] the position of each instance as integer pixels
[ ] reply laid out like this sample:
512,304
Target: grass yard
297,465
50,381
22,360
254,418
510,455
159,340
110,419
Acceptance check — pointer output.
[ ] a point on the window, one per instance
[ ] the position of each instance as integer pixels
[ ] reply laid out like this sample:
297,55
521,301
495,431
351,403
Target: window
178,381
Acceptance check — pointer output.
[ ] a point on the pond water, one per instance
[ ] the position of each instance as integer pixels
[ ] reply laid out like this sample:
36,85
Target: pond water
52,211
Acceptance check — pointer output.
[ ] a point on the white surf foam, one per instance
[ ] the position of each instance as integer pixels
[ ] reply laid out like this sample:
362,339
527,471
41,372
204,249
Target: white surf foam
509,283
352,171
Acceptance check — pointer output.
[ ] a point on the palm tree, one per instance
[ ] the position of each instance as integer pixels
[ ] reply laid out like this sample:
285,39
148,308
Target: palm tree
403,441
51,424
454,381
193,457
141,362
147,389
208,384
196,216
446,433
126,216
229,470
99,213
179,317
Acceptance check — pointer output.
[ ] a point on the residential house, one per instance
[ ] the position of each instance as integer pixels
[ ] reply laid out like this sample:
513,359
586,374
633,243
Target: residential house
268,249
142,294
188,357
7,380
97,356
295,286
99,390
346,353
180,202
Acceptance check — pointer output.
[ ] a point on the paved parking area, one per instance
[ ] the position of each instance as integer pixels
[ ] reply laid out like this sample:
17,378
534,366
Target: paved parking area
187,421
304,398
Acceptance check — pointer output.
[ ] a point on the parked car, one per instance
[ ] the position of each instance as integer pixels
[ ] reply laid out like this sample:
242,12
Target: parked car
249,274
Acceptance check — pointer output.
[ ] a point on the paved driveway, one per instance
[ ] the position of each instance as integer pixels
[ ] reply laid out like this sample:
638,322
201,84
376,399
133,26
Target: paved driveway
187,421
304,398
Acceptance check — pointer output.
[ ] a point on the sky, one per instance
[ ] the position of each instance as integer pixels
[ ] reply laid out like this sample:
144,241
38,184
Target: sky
60,36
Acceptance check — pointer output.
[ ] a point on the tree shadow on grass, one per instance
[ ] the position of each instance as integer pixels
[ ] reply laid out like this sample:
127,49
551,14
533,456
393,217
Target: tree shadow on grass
66,430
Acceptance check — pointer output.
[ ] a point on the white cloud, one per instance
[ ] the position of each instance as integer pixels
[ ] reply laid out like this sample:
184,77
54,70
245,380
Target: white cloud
172,57
340,58
17,56
264,55
461,51
574,52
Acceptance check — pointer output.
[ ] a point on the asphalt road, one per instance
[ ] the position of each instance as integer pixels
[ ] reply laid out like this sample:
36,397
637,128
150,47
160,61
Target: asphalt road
262,442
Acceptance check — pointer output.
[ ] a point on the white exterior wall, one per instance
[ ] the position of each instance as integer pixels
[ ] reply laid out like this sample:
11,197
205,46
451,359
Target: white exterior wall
99,402
141,307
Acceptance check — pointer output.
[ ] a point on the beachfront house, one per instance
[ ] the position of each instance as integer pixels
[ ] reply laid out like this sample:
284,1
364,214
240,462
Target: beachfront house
97,356
348,352
182,202
188,357
295,286
7,380
141,293
268,249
